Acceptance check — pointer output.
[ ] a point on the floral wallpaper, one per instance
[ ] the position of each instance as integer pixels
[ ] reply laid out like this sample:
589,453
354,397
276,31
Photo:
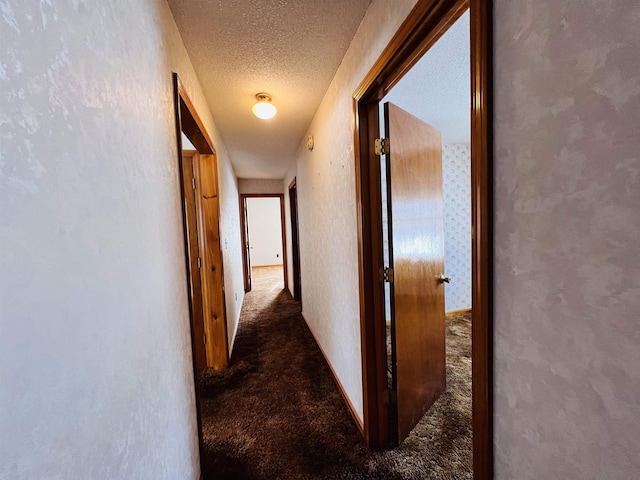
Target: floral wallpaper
456,184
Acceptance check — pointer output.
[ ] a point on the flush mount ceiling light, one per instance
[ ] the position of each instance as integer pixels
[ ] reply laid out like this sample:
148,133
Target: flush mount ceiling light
264,109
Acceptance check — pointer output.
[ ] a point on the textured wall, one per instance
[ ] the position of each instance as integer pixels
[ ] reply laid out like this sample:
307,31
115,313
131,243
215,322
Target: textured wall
327,207
95,358
567,239
456,193
260,185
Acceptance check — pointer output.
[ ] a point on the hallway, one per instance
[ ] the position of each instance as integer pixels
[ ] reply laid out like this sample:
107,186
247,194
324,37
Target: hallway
277,413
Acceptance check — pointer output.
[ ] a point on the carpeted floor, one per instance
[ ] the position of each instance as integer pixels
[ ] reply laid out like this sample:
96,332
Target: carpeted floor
276,413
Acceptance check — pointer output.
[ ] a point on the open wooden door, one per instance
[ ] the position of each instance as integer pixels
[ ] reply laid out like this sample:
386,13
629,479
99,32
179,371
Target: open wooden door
416,231
195,283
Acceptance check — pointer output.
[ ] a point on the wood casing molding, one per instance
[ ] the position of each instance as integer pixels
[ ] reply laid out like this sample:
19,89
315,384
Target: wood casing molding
426,23
283,233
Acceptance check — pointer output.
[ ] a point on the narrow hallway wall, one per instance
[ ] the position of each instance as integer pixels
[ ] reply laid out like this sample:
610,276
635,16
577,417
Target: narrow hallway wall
327,204
95,353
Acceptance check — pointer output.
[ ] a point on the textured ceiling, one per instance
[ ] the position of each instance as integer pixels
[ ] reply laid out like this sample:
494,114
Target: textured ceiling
438,88
287,48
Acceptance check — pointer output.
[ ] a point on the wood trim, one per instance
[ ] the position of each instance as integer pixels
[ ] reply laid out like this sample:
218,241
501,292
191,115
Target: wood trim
283,232
191,124
425,24
177,88
243,239
295,240
428,20
482,238
212,265
343,392
464,311
283,226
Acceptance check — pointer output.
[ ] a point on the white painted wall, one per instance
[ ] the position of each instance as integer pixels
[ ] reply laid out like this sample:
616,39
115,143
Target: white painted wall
96,376
265,231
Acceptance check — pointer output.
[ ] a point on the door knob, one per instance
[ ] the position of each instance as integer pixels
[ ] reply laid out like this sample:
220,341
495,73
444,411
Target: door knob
444,279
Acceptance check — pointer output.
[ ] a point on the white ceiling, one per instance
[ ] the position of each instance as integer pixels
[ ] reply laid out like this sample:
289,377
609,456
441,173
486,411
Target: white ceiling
438,88
287,48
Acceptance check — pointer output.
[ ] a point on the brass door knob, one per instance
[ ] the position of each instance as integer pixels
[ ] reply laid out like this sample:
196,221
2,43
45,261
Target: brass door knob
444,279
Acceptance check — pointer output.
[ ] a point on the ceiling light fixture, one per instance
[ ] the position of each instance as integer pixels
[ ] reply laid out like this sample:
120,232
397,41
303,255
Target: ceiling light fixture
264,109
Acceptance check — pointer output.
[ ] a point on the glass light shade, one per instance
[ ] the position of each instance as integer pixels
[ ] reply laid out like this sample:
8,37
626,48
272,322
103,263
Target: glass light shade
263,109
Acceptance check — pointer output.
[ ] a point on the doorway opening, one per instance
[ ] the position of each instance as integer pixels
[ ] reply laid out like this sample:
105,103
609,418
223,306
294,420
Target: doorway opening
432,103
385,404
263,236
197,164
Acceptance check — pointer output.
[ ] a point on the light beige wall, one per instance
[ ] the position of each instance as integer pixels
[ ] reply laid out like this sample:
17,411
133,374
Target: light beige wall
567,239
259,185
327,204
95,357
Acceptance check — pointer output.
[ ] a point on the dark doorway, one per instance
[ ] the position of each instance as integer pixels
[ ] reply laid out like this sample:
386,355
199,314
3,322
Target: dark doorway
295,242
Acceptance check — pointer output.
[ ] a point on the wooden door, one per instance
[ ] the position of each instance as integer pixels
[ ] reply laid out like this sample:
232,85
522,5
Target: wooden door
195,283
416,231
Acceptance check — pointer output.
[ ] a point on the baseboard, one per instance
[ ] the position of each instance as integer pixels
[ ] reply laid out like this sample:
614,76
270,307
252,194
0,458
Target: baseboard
268,266
464,311
343,392
235,333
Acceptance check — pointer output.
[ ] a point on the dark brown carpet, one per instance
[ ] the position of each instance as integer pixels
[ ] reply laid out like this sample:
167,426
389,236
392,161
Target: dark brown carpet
276,413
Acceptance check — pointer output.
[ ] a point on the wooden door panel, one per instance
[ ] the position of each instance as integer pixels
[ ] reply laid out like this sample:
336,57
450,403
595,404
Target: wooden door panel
417,255
212,272
197,313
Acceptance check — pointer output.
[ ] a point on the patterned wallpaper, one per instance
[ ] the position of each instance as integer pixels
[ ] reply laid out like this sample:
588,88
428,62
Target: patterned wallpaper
456,180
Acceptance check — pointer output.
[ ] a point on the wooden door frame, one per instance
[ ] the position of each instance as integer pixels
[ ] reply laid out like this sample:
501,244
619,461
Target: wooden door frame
295,243
243,229
426,23
246,267
188,121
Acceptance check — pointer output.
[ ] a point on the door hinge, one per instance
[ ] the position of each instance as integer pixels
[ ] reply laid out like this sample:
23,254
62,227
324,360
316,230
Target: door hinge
204,337
199,263
386,274
382,146
390,397
193,182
